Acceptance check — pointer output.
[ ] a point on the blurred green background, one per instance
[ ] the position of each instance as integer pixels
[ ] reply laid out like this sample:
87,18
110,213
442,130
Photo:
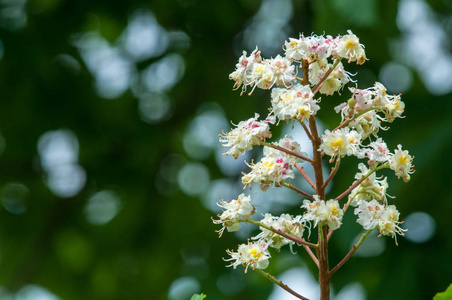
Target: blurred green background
110,164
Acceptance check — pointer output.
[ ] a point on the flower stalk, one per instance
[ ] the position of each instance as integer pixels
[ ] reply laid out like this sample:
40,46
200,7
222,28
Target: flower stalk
295,100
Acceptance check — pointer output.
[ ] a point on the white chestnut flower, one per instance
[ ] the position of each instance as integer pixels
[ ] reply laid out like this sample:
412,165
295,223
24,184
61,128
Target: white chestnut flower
254,255
401,163
246,135
323,212
297,103
234,212
290,225
341,142
350,48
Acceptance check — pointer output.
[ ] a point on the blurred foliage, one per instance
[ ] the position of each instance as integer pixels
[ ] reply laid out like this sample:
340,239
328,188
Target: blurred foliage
160,234
447,294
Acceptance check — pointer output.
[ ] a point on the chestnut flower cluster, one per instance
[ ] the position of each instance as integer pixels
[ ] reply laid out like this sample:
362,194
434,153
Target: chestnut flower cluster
312,66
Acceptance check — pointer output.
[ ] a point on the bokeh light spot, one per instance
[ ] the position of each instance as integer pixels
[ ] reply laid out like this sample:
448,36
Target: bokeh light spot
14,196
421,227
102,207
268,28
301,281
35,292
373,245
153,107
58,151
113,72
423,36
396,78
183,288
352,291
225,189
231,283
194,178
143,37
13,15
202,133
69,63
164,74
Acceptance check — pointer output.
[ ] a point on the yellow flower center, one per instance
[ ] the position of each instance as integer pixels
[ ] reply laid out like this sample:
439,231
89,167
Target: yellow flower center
268,163
403,159
334,211
293,43
337,144
255,253
304,112
350,44
394,216
286,98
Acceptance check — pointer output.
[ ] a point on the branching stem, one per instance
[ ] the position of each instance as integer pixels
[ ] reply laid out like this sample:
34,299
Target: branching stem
312,255
303,173
279,282
308,133
346,122
286,151
333,172
281,233
317,87
352,251
384,166
292,187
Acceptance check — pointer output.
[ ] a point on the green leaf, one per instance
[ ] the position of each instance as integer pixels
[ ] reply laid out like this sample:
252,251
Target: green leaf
447,295
198,297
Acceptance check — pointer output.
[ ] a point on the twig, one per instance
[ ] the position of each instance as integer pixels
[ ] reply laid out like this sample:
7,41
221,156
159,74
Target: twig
308,133
305,70
286,151
303,173
324,274
333,172
290,186
352,251
314,258
317,164
281,233
384,166
330,233
346,122
279,282
317,87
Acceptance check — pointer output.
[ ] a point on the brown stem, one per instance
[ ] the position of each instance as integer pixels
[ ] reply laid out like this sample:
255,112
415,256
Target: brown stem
286,151
350,253
314,258
281,233
317,87
330,233
307,131
333,172
299,241
346,122
384,166
317,160
305,69
303,173
324,274
292,187
279,282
